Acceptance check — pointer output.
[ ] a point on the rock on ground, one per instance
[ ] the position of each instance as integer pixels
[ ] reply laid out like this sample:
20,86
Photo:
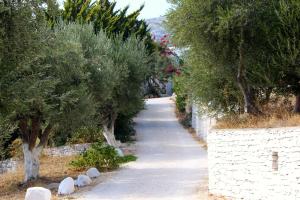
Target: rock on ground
66,186
38,193
93,172
120,152
83,180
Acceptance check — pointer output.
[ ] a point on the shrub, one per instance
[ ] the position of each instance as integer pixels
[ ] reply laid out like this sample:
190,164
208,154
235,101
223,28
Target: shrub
101,156
127,158
87,134
15,149
181,103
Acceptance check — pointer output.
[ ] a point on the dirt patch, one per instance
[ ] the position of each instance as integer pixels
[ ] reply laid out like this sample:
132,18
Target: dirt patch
204,193
52,170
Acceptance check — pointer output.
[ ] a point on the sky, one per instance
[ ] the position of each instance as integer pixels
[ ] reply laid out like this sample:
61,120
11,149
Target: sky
152,9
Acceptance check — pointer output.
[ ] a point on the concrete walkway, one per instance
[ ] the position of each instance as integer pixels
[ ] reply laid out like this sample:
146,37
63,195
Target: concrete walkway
170,165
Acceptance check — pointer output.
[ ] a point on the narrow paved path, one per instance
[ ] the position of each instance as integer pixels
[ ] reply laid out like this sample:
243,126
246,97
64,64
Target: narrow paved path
170,165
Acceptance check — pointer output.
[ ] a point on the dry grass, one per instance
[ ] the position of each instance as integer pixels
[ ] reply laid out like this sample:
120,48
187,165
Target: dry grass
52,170
234,122
277,113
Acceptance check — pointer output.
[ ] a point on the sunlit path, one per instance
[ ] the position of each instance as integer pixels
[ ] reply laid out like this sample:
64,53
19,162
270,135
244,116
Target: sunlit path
170,163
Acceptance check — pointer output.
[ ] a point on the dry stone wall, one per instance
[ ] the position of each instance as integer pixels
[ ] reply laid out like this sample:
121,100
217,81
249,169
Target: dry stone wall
255,164
66,150
8,165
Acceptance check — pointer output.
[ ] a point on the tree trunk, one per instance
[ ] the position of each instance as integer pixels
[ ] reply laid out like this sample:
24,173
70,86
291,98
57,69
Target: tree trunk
31,162
109,130
109,135
247,91
297,104
32,151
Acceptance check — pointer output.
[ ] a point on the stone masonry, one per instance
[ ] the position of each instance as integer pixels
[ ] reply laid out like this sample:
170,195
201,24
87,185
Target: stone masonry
255,164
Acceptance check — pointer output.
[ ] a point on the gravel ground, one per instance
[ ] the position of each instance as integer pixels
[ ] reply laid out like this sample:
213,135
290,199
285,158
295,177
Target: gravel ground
170,166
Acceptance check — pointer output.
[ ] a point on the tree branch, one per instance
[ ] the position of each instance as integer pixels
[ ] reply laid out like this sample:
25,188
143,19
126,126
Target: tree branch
44,137
23,125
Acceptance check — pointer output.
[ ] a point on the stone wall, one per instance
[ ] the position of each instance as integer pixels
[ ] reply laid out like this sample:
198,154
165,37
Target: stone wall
11,164
255,164
201,123
66,150
8,165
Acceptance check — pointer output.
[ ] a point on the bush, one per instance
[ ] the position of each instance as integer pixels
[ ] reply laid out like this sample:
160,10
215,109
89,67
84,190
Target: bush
15,149
181,103
8,134
101,156
88,134
127,158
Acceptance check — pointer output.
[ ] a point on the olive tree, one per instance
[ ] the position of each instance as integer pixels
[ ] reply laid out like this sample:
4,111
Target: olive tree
237,43
42,80
116,71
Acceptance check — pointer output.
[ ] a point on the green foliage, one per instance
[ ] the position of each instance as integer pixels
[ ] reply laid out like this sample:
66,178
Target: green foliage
102,157
85,134
286,47
6,129
104,17
116,70
238,51
181,94
181,103
72,76
127,158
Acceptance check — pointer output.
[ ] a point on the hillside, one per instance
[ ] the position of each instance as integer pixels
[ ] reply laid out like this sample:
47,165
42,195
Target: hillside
156,26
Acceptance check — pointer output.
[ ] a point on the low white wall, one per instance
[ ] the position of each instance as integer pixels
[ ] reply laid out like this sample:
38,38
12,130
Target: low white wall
201,123
8,165
240,163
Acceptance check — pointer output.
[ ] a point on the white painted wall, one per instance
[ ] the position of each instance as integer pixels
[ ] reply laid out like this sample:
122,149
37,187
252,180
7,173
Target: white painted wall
201,123
240,163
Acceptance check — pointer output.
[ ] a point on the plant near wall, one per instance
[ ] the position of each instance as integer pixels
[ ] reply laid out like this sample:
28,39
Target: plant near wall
285,44
86,134
101,156
232,46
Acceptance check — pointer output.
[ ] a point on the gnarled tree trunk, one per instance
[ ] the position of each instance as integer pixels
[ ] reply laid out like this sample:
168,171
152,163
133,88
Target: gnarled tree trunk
109,131
31,150
31,162
109,135
297,104
247,91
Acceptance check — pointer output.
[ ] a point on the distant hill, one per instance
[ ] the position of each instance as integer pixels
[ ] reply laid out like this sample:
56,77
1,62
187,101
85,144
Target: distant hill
156,26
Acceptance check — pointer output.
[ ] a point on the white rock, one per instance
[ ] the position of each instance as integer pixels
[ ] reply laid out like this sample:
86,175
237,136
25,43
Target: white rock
120,152
38,193
83,180
93,172
66,186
